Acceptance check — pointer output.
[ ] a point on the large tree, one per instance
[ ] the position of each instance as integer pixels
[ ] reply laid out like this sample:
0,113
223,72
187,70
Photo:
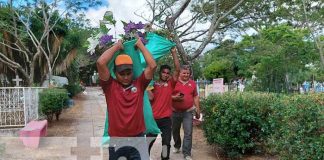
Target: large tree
207,22
32,36
279,55
306,14
197,23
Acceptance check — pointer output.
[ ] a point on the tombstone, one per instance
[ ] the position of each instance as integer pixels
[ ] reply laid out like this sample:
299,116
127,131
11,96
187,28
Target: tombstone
94,78
254,77
306,86
56,81
318,88
218,85
241,87
301,90
17,80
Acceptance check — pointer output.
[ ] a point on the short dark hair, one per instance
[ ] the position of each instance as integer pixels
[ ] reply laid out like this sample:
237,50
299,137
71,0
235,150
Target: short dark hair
185,67
165,66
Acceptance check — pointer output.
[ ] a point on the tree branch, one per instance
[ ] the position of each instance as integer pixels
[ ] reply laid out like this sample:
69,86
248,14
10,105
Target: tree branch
16,49
193,18
194,32
58,52
191,39
147,20
180,11
215,23
8,61
189,27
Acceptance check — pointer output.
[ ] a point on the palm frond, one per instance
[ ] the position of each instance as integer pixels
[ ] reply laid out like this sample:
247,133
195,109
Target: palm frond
64,65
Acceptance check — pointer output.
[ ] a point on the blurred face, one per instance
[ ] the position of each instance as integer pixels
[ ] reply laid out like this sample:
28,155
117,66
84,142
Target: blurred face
165,74
184,74
125,77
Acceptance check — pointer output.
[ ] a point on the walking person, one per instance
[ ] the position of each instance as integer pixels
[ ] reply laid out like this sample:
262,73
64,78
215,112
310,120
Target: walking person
161,102
185,105
124,96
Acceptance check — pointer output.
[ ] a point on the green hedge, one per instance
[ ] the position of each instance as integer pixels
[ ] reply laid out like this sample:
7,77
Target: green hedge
237,122
299,127
52,101
290,126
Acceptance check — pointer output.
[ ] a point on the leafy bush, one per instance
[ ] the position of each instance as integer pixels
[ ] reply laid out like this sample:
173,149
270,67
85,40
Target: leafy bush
288,125
52,100
237,122
299,122
73,89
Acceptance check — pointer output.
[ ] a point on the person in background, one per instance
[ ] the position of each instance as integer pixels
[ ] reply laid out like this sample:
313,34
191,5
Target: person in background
124,96
161,102
185,105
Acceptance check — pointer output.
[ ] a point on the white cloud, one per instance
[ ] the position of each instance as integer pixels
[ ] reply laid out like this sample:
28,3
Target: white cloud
122,10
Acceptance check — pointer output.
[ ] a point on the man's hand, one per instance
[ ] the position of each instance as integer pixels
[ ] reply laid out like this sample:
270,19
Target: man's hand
105,58
139,42
119,44
197,113
174,50
178,97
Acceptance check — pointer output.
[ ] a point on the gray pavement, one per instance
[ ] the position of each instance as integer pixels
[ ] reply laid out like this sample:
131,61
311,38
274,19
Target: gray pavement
77,135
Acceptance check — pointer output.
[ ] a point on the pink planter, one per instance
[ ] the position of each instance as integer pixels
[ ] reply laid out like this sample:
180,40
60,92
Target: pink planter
31,133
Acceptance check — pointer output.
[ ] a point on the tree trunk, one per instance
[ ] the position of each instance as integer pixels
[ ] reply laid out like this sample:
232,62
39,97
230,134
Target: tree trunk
320,49
176,39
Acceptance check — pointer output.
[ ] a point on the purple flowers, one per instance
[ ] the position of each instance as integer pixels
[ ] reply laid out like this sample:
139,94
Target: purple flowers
131,29
140,25
142,37
105,39
131,26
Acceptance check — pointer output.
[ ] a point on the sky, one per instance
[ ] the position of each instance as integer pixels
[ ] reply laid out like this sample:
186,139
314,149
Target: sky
124,10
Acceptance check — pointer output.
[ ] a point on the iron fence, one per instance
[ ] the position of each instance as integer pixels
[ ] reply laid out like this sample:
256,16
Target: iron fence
18,105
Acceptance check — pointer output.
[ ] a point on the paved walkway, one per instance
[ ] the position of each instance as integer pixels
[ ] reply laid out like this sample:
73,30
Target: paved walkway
78,132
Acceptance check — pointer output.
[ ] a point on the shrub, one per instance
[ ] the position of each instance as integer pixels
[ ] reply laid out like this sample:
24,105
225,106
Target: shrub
237,122
299,126
290,126
73,89
51,101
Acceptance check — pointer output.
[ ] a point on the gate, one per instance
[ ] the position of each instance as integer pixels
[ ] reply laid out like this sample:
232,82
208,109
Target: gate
18,105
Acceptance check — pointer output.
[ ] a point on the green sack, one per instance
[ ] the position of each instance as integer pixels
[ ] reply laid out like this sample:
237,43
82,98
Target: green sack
129,48
158,46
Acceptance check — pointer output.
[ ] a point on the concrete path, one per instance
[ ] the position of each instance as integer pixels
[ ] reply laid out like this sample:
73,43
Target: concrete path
77,135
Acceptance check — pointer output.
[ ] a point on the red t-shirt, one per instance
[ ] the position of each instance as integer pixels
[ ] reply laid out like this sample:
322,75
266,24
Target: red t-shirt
125,106
189,90
162,102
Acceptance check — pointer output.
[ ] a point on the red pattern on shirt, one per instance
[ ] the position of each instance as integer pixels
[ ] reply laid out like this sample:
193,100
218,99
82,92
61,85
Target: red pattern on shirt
189,90
125,107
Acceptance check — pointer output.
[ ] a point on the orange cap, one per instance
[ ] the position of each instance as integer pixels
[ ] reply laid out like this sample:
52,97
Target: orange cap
123,62
123,59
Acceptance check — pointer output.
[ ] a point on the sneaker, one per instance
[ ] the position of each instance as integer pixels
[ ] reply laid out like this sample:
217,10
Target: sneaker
176,150
188,158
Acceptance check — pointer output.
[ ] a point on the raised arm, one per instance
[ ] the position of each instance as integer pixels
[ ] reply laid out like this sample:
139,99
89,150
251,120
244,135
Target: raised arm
176,62
150,62
105,58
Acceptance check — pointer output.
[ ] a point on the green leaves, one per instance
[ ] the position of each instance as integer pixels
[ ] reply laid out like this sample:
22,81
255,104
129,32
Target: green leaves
109,18
237,121
290,126
52,100
219,69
